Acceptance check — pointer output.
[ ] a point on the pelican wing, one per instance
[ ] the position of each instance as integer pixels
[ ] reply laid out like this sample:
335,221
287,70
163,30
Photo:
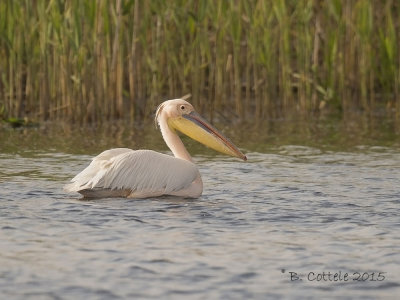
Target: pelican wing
137,171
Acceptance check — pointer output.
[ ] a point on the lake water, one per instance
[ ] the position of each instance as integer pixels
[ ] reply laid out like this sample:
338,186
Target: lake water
312,199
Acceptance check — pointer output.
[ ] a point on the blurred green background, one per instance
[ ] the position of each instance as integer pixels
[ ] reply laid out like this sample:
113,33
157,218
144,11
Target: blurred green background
85,61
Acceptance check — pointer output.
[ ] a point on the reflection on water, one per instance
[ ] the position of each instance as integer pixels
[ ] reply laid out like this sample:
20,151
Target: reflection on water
324,133
312,198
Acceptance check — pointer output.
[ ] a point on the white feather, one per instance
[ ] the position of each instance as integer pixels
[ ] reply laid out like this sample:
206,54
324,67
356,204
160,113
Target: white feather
123,172
144,171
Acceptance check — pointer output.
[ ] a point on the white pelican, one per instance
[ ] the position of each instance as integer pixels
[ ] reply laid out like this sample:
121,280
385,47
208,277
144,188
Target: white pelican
123,172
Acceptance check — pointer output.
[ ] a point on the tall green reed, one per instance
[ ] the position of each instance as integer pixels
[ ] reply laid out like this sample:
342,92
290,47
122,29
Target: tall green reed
86,61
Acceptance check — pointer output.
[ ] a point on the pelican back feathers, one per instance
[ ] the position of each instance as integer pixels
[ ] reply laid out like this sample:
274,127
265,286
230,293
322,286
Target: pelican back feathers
126,171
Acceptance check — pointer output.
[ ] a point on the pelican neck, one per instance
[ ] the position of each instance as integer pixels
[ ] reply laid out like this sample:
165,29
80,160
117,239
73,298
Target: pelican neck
173,141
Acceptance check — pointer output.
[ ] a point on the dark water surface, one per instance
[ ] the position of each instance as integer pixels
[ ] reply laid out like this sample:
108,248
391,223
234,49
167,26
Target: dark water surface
313,198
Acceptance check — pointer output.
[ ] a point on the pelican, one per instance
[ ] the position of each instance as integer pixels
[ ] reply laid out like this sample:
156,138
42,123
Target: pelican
123,172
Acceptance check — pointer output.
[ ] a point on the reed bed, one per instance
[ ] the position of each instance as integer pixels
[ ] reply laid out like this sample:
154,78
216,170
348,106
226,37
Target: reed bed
86,61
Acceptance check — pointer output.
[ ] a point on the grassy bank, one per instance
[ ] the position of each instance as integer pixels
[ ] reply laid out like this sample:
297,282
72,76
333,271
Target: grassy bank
90,60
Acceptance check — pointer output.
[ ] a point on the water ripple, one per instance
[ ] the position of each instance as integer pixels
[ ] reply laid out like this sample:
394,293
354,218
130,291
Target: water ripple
296,210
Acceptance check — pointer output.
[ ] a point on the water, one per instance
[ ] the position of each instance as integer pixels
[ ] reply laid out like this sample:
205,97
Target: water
266,229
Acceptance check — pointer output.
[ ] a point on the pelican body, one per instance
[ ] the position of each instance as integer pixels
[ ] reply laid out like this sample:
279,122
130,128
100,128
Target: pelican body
123,172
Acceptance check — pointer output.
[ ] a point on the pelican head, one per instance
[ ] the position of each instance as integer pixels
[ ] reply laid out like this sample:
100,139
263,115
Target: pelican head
180,115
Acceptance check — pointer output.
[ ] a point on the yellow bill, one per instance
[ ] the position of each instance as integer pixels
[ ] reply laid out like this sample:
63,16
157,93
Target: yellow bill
194,126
